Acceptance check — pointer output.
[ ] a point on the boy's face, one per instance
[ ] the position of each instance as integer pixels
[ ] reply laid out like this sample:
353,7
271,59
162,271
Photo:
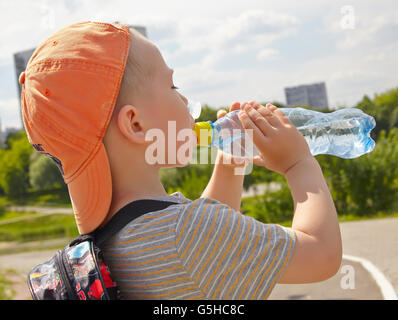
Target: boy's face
164,108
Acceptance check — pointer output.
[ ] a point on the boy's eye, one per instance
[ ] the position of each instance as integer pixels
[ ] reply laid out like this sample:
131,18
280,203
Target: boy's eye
174,87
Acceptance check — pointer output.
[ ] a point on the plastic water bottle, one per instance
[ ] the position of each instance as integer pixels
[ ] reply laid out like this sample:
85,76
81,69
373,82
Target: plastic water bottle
344,133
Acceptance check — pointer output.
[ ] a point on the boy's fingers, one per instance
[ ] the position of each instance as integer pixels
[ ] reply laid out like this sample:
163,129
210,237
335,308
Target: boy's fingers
257,136
271,117
262,110
283,118
255,104
258,161
234,106
221,113
260,121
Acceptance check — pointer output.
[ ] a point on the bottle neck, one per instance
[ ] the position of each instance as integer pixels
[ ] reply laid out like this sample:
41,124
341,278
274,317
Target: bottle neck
204,133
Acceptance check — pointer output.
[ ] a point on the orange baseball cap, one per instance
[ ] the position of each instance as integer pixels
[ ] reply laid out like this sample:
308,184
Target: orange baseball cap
69,90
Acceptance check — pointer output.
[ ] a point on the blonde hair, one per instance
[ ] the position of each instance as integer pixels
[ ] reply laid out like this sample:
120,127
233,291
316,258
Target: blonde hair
136,75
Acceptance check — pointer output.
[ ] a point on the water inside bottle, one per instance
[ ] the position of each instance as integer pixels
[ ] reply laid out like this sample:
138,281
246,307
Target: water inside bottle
346,139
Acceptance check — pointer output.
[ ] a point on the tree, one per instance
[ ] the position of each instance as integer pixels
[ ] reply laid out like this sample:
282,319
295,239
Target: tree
12,179
2,155
384,108
14,136
276,104
14,165
43,173
368,184
207,113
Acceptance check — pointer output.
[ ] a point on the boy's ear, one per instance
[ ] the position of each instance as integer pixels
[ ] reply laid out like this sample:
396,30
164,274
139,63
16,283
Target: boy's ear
130,124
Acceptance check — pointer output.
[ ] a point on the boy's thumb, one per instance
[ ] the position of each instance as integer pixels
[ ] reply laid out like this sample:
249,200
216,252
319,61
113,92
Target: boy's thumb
259,161
221,113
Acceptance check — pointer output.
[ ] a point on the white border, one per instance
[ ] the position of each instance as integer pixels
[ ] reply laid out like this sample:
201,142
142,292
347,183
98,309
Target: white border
386,287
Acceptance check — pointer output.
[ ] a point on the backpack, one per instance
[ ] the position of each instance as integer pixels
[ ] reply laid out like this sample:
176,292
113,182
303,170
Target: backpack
78,271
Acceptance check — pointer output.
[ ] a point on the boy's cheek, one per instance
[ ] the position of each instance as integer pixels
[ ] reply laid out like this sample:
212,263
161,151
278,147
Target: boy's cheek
171,146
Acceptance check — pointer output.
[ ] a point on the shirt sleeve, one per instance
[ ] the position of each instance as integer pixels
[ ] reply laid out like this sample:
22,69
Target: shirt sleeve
229,255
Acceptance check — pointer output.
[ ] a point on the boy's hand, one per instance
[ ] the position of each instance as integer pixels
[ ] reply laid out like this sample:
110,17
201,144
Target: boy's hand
279,142
223,157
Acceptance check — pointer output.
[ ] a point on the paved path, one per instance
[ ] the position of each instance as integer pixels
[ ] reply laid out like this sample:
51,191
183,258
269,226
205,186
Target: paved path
260,189
363,287
374,240
22,263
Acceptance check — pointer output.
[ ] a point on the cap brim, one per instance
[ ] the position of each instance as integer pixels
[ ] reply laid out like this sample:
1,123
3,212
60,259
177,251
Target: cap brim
91,193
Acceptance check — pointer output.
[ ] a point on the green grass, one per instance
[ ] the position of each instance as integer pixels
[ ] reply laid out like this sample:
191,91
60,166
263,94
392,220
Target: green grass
8,215
34,246
347,218
379,215
4,202
39,227
6,290
248,205
44,198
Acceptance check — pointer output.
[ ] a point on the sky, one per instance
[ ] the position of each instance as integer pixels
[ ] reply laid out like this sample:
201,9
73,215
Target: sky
225,51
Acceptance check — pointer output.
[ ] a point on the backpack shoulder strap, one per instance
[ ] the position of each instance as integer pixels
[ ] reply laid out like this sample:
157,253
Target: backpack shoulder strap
128,213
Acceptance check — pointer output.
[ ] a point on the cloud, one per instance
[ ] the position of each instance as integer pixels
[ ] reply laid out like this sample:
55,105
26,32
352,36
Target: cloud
250,31
356,26
217,48
267,54
367,33
35,21
223,48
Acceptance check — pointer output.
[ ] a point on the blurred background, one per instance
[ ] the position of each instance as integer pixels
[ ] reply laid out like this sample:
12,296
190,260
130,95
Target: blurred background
320,55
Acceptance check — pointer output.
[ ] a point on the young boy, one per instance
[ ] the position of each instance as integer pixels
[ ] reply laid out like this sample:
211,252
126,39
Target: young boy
91,94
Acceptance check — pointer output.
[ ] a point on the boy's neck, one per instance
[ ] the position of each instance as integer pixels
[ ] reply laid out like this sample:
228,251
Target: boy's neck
123,197
133,182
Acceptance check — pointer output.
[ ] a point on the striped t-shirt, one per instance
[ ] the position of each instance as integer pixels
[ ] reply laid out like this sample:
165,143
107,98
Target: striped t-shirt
198,249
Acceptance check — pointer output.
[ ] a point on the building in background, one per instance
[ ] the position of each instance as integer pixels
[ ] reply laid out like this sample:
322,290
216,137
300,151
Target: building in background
140,29
21,59
312,95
